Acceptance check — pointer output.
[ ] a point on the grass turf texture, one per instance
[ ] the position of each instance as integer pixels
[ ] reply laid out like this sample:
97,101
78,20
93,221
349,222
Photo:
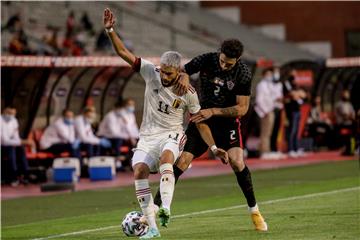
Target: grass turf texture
331,216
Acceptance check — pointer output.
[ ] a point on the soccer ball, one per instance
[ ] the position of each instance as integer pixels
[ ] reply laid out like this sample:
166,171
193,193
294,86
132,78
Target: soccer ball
131,225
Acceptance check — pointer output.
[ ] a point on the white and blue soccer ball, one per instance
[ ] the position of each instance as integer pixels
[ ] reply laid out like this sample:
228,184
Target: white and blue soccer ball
132,226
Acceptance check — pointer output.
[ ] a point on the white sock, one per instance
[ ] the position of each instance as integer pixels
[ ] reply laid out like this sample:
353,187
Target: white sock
254,208
167,184
146,201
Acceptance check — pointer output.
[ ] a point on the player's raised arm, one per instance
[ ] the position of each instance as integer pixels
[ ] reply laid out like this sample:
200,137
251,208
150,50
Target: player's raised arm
121,50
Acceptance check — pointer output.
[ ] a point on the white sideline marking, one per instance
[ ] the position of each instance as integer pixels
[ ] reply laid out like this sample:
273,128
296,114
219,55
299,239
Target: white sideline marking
210,211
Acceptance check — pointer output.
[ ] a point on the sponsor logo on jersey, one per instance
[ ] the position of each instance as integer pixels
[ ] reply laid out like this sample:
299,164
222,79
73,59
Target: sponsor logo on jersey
176,103
230,85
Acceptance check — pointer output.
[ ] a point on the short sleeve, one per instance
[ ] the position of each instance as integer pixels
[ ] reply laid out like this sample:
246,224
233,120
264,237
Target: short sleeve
146,69
193,104
243,81
197,63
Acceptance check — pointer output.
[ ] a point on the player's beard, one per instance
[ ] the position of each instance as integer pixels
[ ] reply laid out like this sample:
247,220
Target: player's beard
169,83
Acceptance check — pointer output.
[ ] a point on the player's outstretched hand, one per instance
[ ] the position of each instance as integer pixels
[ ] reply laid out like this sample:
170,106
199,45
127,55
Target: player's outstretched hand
202,115
182,84
223,155
109,19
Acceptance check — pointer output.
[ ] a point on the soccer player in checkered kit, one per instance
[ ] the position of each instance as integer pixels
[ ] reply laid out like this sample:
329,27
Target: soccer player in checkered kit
224,98
161,133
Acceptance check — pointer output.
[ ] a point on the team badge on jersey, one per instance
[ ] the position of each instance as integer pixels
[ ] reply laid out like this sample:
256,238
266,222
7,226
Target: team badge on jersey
176,103
219,81
230,85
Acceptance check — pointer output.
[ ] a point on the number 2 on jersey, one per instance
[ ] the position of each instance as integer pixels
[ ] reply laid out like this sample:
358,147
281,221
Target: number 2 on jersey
232,135
217,90
163,107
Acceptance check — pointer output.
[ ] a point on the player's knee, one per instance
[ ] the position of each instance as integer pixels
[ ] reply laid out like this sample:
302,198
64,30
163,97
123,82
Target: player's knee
141,171
237,160
167,157
184,160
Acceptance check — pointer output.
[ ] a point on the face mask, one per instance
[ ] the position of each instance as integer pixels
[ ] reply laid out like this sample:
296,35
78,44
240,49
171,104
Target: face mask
276,76
91,118
268,79
130,109
118,112
8,117
68,121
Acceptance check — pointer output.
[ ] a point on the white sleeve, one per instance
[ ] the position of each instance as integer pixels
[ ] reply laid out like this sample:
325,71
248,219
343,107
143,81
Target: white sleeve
147,70
10,134
62,132
193,104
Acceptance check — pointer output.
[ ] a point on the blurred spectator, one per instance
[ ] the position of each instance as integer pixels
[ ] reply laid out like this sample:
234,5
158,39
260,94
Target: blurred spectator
294,98
70,23
18,44
72,46
59,136
14,23
102,42
130,117
278,96
345,122
112,128
265,109
52,41
319,124
87,24
12,150
84,132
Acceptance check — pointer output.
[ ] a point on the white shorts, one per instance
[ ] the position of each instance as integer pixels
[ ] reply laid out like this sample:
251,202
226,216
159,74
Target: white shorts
150,148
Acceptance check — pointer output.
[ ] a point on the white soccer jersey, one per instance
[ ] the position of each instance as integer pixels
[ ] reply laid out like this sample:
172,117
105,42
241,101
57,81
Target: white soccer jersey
163,110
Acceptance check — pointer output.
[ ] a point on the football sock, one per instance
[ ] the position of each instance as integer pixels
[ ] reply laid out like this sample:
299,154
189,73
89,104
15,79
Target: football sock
167,183
254,209
245,183
143,194
177,174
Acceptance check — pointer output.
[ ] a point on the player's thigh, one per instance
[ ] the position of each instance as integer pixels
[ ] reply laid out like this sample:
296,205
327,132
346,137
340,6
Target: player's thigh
171,147
227,134
236,157
143,164
195,145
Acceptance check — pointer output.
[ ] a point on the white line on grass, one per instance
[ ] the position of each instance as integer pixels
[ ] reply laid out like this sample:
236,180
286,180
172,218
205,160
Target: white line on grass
210,211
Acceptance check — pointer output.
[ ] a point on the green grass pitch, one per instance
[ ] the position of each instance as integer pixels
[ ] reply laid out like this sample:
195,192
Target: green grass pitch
310,202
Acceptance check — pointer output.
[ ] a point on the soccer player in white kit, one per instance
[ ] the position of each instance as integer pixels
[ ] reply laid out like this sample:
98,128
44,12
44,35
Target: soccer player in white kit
161,134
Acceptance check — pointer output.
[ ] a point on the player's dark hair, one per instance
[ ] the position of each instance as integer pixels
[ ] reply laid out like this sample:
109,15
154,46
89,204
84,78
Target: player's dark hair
232,48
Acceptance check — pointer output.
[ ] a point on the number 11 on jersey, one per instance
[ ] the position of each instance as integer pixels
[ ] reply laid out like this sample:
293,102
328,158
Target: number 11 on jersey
163,107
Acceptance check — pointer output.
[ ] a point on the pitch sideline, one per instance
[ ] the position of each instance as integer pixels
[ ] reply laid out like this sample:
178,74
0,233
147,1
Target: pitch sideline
211,211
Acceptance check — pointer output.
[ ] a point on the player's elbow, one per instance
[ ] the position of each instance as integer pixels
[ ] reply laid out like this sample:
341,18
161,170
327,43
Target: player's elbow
242,110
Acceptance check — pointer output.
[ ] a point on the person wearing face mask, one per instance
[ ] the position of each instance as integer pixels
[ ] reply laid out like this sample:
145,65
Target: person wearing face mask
131,124
278,96
12,148
113,128
265,109
59,136
89,142
293,99
345,122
